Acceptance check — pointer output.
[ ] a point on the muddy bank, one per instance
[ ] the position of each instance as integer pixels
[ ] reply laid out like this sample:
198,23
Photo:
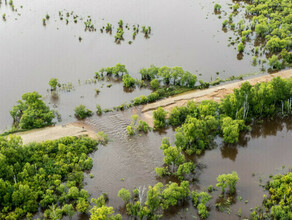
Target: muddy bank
215,93
55,132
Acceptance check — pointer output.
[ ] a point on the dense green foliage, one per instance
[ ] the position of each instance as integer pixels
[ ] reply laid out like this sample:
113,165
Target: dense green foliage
31,112
102,212
53,83
159,117
227,180
47,175
174,160
128,81
278,204
200,122
82,112
159,197
114,70
271,20
200,200
169,76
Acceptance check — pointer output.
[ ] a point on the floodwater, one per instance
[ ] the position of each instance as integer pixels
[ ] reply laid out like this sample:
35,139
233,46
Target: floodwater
186,34
129,162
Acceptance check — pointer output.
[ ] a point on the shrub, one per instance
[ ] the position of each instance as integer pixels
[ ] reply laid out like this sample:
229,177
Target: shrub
240,47
31,112
275,63
229,180
81,112
159,117
53,83
154,84
128,81
124,194
98,110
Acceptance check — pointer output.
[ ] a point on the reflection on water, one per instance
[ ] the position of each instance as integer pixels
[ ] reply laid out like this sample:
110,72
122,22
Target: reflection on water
129,162
31,54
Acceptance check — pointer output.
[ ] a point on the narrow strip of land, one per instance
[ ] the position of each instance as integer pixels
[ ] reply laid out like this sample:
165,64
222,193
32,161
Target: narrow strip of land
215,93
56,132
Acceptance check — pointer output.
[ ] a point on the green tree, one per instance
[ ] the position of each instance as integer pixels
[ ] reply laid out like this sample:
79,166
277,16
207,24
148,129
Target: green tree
82,112
227,180
240,47
124,194
159,117
275,63
53,83
128,81
154,84
31,112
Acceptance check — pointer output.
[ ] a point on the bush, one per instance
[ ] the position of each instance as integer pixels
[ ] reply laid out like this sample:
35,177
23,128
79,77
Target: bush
154,84
275,63
31,112
81,112
240,47
128,81
53,83
98,110
124,194
159,117
153,97
229,180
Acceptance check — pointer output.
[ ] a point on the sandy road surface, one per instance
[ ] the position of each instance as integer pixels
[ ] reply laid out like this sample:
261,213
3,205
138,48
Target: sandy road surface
214,93
56,132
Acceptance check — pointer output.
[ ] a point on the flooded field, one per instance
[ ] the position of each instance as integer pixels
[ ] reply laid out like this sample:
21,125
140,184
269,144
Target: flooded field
186,34
130,162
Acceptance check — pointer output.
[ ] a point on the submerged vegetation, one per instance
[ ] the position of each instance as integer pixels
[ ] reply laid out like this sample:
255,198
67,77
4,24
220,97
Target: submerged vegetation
200,123
266,23
277,205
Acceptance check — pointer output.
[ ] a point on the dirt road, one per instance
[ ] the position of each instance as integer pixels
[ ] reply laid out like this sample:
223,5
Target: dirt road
56,132
214,93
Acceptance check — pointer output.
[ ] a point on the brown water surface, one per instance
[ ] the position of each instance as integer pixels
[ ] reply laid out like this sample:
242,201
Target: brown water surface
185,34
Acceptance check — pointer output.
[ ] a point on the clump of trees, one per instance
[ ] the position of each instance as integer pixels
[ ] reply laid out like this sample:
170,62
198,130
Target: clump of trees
160,197
277,205
271,22
31,112
200,201
159,117
174,160
100,211
175,76
198,123
47,175
227,180
82,112
109,71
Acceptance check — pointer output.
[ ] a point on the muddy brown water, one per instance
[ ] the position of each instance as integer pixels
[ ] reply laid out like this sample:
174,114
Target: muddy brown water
184,34
129,162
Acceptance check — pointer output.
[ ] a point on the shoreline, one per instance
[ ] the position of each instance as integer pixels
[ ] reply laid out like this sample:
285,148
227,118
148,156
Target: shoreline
215,93
76,129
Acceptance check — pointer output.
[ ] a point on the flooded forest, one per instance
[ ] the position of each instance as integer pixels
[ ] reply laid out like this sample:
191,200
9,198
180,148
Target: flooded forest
142,110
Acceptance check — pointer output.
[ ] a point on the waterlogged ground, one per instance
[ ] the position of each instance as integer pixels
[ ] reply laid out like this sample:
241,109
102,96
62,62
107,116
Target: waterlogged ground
130,162
185,34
